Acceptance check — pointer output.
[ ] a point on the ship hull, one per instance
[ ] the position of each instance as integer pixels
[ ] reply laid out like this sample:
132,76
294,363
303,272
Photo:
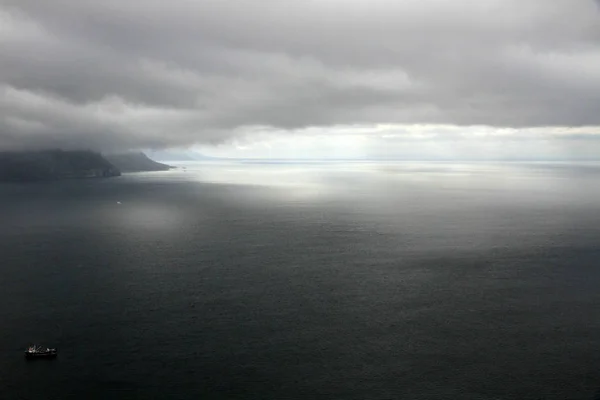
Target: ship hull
38,356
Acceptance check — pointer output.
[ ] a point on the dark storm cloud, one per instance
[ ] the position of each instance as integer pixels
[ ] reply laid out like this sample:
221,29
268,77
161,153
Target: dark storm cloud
149,73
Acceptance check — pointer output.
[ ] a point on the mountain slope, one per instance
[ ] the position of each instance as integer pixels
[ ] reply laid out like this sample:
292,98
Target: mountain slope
54,164
135,162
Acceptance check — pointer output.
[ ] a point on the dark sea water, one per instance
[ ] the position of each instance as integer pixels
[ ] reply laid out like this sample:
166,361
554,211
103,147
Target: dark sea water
315,281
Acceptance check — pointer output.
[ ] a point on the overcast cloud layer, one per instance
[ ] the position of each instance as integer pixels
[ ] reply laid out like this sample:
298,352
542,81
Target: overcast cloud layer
117,74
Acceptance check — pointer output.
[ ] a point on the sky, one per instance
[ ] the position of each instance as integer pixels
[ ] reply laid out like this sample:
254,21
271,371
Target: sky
303,78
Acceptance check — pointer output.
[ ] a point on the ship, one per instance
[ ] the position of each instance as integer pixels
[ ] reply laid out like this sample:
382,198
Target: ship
35,352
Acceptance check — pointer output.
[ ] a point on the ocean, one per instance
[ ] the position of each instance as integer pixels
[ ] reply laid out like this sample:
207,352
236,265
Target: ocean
320,280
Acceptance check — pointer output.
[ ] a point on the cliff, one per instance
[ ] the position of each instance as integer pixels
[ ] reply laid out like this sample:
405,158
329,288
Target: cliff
135,162
54,164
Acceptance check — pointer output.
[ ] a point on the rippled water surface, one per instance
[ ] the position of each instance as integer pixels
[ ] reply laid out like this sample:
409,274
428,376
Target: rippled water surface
312,281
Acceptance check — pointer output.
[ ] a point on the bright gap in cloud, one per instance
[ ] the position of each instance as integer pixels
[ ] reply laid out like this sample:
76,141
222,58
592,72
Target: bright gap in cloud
413,142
